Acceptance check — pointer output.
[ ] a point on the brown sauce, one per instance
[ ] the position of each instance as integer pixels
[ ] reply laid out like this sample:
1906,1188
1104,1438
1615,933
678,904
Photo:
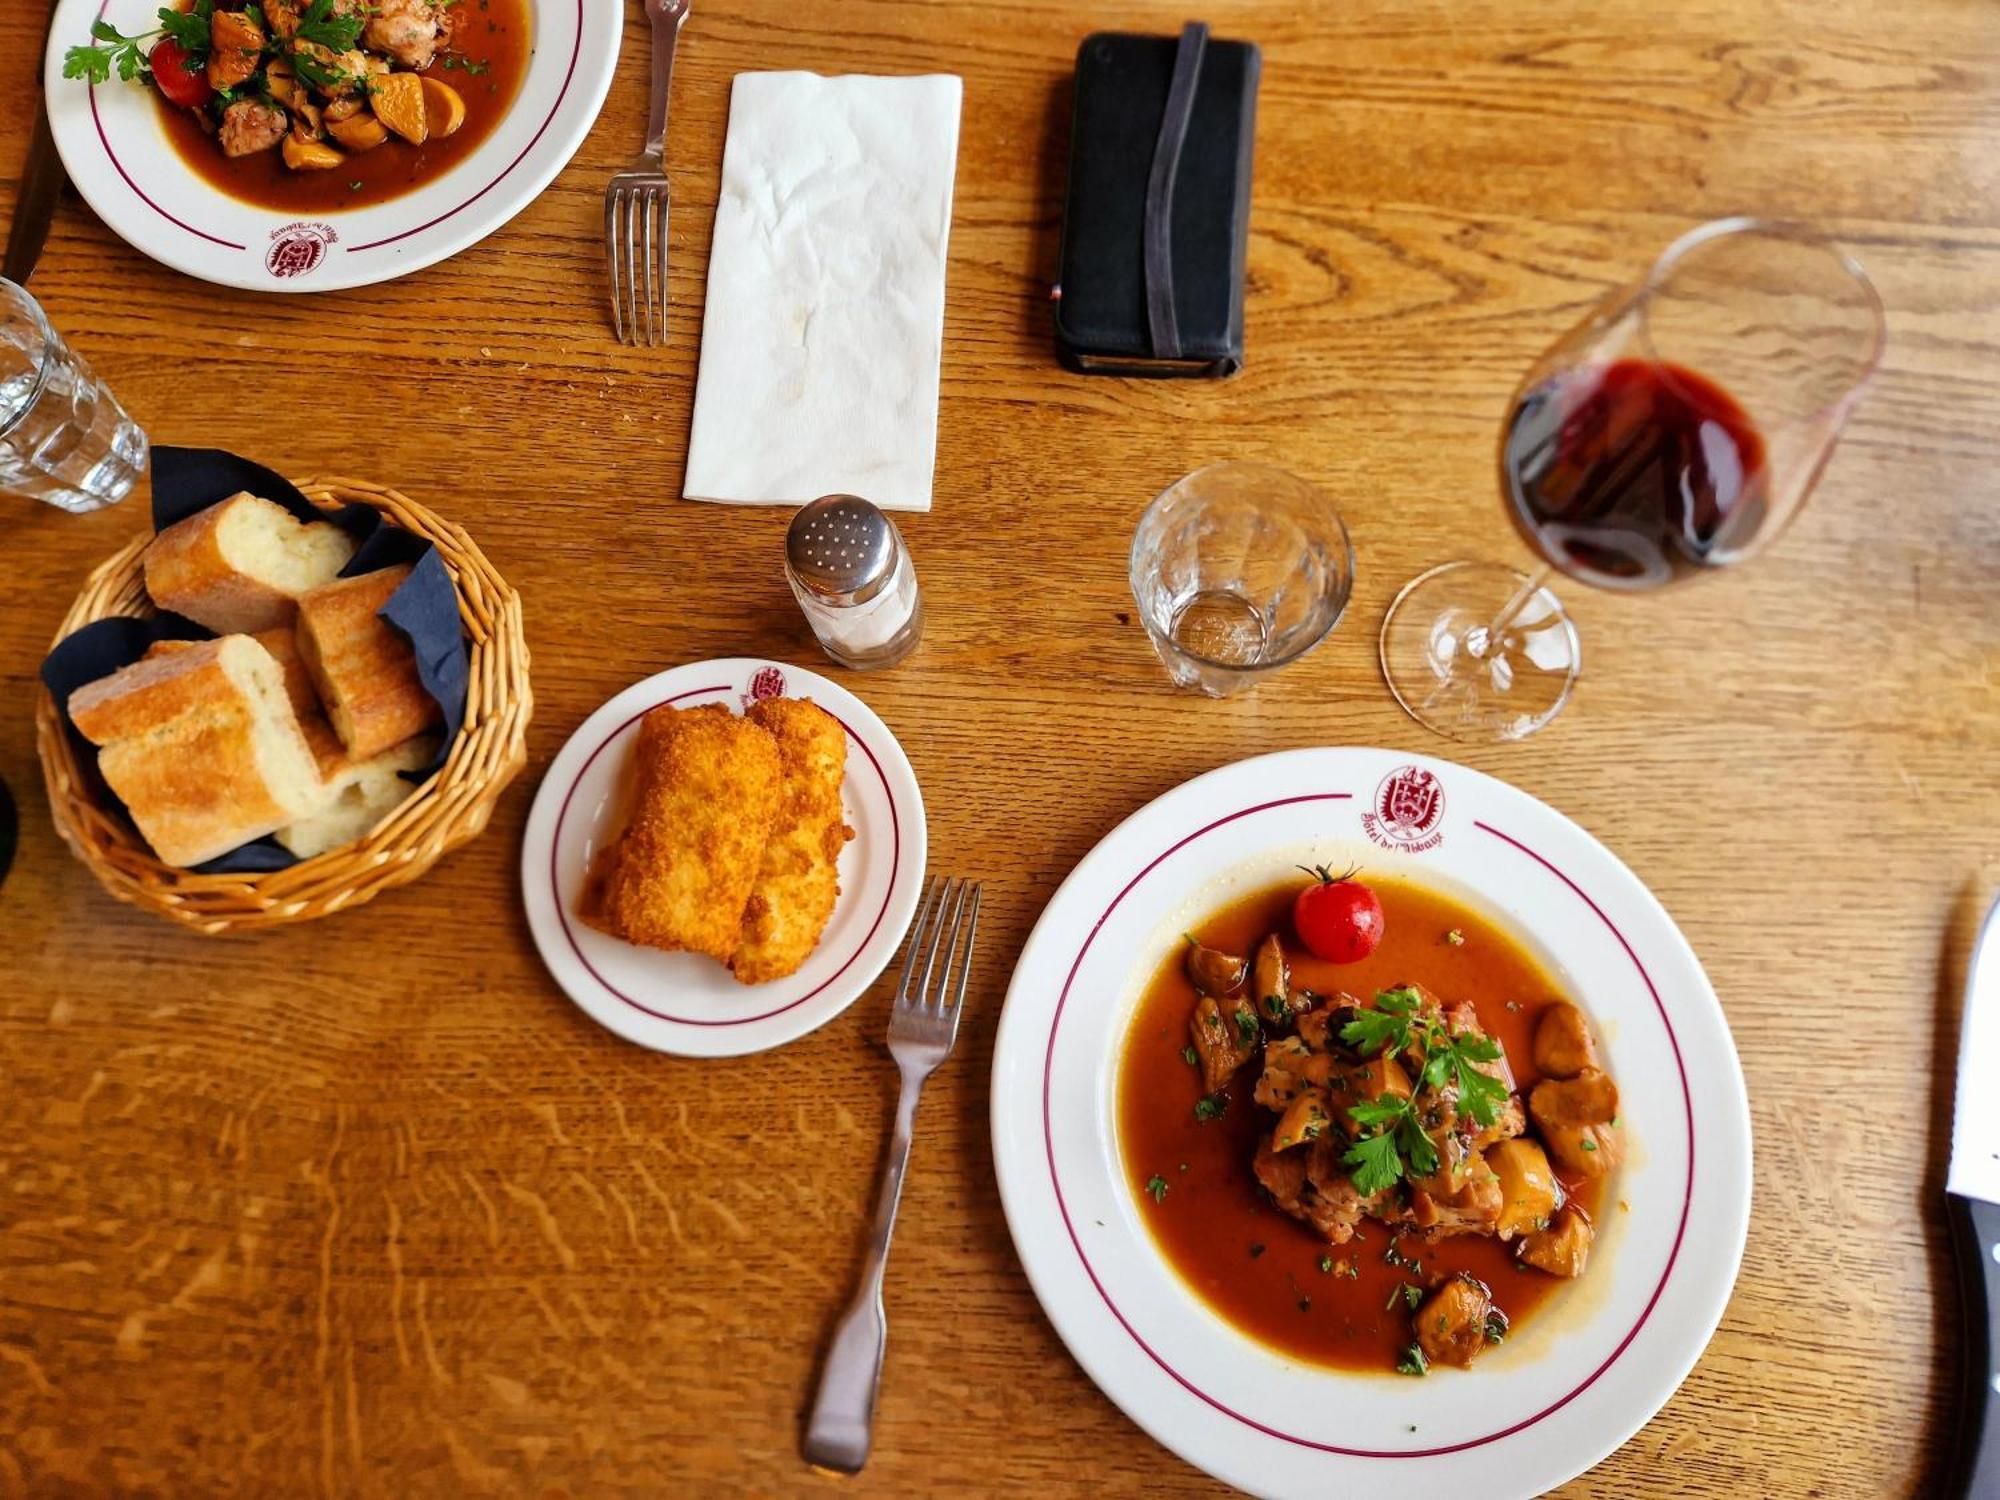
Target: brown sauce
1259,1268
488,59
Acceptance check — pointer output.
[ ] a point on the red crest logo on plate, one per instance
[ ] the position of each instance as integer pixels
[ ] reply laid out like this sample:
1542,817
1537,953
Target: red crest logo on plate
297,249
768,683
1409,805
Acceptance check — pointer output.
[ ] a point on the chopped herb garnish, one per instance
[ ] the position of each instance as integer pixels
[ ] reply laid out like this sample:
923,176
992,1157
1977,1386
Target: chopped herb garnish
1587,1144
1396,1145
322,25
1157,1186
1455,937
1210,1106
1326,1265
1413,1362
1408,1295
111,50
1191,1057
1246,1027
1496,1327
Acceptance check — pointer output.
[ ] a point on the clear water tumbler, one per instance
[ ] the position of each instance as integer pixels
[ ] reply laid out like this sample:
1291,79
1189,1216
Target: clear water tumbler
63,436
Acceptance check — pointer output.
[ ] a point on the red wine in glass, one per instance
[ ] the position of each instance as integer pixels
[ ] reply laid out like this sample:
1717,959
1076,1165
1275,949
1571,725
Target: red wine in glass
1633,474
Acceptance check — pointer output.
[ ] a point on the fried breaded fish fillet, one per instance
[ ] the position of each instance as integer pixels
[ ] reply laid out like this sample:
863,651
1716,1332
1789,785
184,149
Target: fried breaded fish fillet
797,881
708,788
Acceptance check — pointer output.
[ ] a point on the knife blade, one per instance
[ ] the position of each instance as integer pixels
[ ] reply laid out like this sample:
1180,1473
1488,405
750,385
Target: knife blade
42,182
1972,1202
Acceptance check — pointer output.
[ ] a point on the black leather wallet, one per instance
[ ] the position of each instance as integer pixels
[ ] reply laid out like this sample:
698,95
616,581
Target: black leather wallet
1158,207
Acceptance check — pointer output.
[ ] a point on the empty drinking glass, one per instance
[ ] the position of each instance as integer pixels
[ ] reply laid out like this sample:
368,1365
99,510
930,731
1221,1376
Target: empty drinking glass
63,437
1239,569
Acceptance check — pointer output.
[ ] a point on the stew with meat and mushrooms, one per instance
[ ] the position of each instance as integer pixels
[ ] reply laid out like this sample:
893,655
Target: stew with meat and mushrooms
316,105
1384,1165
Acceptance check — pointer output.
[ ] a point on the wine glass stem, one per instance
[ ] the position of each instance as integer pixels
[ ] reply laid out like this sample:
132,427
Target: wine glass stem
1482,642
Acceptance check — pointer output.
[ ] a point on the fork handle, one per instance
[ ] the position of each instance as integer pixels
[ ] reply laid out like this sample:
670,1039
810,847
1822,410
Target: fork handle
666,32
843,1413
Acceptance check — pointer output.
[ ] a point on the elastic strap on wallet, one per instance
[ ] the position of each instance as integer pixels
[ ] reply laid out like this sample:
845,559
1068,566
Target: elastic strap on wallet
1160,319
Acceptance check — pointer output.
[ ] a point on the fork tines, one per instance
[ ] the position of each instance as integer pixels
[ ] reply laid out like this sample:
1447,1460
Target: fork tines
635,250
943,933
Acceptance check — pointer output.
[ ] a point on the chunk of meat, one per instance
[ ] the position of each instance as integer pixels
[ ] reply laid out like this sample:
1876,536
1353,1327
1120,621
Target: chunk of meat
1283,1176
1510,1122
1305,1120
1317,1030
1587,1150
250,126
1290,1067
235,47
1451,1325
1224,1042
1213,972
1590,1098
1562,1249
1271,980
1563,1047
283,17
1463,1020
406,30
1529,1192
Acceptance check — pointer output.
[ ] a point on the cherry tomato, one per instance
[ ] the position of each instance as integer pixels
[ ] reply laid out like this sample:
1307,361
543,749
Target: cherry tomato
1338,918
179,79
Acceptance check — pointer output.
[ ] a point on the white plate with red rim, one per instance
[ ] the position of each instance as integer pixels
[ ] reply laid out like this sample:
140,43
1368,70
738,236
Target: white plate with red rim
1598,1360
683,1002
120,159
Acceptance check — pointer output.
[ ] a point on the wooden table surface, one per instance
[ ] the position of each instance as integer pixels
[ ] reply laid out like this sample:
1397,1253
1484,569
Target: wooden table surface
367,1207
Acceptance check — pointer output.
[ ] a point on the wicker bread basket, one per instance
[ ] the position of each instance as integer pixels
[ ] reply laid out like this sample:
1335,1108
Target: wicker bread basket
449,809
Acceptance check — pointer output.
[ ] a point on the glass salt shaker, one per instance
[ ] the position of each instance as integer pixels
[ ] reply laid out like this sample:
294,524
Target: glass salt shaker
853,578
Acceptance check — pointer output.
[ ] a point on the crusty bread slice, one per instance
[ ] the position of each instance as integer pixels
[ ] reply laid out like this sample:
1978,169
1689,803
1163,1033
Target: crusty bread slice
202,746
282,643
362,666
241,565
364,793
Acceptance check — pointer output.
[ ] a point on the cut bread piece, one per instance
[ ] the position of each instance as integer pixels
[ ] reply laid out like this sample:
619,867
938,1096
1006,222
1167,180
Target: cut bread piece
202,746
363,794
282,642
241,565
362,666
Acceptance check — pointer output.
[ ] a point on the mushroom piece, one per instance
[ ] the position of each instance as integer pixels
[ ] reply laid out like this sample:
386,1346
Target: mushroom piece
310,156
398,102
1214,972
1563,1047
1529,1191
235,47
1587,1150
1562,1249
1271,980
358,131
1304,1121
444,106
1590,1098
1451,1325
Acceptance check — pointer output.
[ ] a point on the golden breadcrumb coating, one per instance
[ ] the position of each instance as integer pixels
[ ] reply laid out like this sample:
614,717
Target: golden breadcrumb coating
708,788
798,880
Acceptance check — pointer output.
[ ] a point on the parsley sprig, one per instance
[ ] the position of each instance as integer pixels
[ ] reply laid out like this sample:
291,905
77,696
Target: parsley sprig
111,50
1395,1145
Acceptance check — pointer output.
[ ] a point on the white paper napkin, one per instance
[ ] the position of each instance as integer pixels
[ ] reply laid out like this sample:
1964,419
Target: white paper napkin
825,316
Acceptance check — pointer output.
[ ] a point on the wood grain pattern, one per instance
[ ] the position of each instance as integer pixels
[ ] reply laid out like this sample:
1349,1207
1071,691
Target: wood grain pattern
368,1208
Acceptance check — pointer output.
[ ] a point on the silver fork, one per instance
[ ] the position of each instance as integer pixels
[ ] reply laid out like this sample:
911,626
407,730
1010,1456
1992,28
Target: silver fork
922,1026
635,203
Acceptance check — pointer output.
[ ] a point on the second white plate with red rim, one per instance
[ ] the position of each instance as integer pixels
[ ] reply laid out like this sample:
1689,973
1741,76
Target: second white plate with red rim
683,1002
1596,1363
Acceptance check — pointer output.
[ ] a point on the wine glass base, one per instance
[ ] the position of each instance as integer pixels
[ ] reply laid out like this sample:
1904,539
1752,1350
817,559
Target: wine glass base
1452,676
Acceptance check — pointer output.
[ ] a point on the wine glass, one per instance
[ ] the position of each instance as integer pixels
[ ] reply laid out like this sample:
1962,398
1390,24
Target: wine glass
1678,429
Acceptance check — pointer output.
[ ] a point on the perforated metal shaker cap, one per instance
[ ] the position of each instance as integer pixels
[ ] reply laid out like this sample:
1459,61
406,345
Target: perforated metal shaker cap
842,549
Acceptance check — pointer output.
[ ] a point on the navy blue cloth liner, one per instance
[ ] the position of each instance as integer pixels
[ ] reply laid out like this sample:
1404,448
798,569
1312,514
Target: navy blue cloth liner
424,609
